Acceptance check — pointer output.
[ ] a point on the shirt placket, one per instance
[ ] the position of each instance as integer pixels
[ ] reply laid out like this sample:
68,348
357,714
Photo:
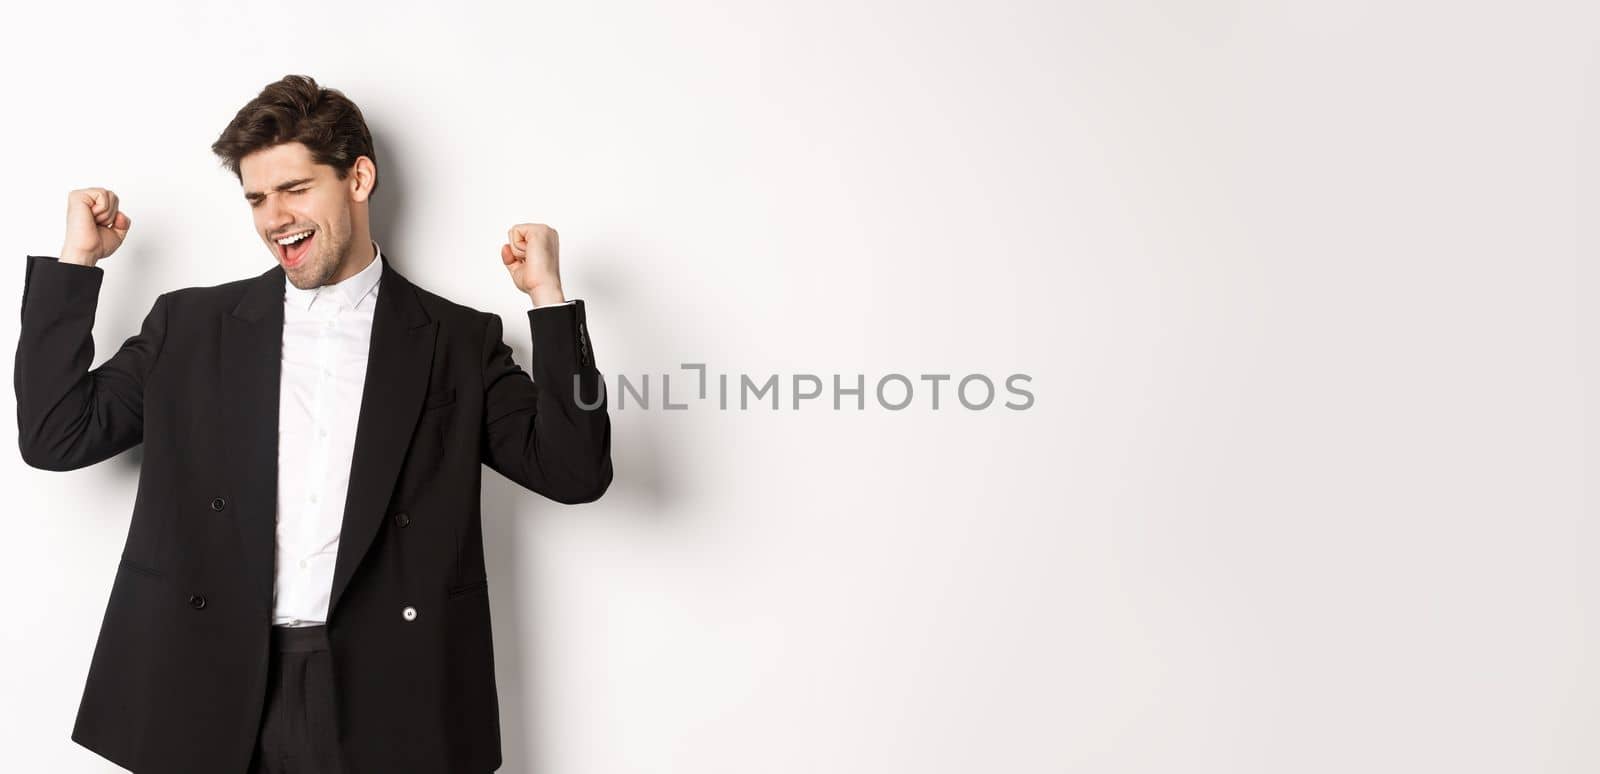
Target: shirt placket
324,406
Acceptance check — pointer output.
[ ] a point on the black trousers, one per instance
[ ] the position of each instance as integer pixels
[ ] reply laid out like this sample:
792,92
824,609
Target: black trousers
298,732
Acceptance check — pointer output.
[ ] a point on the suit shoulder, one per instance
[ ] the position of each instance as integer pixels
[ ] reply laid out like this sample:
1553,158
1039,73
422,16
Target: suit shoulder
447,311
223,294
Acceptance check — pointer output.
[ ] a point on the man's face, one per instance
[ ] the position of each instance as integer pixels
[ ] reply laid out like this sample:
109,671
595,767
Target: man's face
289,194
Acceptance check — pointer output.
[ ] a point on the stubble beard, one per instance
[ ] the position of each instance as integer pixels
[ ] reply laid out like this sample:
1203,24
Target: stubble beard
320,267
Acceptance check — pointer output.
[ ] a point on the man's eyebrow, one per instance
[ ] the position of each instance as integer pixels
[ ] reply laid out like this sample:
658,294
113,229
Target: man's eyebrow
284,186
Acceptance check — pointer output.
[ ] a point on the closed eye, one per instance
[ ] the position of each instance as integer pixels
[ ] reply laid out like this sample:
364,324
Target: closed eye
257,199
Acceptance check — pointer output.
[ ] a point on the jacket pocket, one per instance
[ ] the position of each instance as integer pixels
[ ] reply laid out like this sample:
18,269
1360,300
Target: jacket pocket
467,588
439,398
142,569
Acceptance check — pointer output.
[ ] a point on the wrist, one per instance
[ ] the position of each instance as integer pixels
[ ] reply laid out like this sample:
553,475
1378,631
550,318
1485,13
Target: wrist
80,257
546,295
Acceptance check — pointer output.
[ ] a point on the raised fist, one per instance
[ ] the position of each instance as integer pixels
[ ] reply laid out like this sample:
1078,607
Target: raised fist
95,226
531,256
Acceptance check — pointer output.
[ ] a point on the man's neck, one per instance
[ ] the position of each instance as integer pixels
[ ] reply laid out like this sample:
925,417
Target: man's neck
357,259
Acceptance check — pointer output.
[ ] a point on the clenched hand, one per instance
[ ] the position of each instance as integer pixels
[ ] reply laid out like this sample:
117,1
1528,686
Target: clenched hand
95,226
532,256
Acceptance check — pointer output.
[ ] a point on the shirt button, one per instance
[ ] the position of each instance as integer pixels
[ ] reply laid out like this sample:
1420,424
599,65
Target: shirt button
410,613
402,519
196,601
302,563
218,504
313,498
323,432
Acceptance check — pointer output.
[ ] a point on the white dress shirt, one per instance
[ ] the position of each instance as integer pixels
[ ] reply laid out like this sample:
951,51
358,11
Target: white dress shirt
326,333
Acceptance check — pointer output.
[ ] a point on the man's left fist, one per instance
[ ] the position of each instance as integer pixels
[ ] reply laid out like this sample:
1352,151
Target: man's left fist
532,255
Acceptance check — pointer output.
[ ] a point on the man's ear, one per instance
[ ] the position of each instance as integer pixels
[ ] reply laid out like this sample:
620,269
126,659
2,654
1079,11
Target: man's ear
363,176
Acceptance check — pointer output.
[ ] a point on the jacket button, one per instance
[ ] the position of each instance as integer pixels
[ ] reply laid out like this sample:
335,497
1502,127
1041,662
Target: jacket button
410,613
196,601
218,504
402,519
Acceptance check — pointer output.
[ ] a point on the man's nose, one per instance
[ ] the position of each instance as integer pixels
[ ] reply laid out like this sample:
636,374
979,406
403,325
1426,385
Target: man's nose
278,219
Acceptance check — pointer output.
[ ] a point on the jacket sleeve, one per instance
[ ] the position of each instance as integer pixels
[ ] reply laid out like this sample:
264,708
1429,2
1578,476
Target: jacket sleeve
545,433
69,416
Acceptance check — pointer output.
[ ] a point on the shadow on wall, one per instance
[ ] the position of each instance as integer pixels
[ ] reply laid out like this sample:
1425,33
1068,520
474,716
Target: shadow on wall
388,204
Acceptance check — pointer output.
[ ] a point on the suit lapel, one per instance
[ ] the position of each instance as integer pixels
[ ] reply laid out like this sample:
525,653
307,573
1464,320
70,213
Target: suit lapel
399,360
398,364
251,363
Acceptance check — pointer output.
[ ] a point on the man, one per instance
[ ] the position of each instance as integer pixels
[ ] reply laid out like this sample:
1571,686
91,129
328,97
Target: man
303,586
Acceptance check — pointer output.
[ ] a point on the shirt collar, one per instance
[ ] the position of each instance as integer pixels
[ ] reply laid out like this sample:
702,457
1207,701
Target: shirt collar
350,289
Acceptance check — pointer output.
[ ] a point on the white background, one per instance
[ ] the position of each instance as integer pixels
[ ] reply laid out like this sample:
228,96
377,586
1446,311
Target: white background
1305,289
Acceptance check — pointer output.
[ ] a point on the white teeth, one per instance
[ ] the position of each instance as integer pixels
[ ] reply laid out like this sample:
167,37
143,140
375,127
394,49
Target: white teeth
289,240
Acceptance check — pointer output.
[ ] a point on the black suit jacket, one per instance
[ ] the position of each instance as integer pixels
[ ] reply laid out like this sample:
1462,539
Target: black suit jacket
177,682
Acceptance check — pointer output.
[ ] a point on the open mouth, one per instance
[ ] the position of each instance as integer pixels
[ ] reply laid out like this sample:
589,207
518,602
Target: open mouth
293,247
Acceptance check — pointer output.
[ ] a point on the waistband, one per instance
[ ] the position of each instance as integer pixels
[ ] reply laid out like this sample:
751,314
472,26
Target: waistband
298,639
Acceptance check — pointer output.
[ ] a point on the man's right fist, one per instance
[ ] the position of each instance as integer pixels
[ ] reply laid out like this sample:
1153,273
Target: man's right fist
95,227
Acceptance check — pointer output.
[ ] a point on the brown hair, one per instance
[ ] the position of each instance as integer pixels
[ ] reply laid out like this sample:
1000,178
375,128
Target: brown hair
295,109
